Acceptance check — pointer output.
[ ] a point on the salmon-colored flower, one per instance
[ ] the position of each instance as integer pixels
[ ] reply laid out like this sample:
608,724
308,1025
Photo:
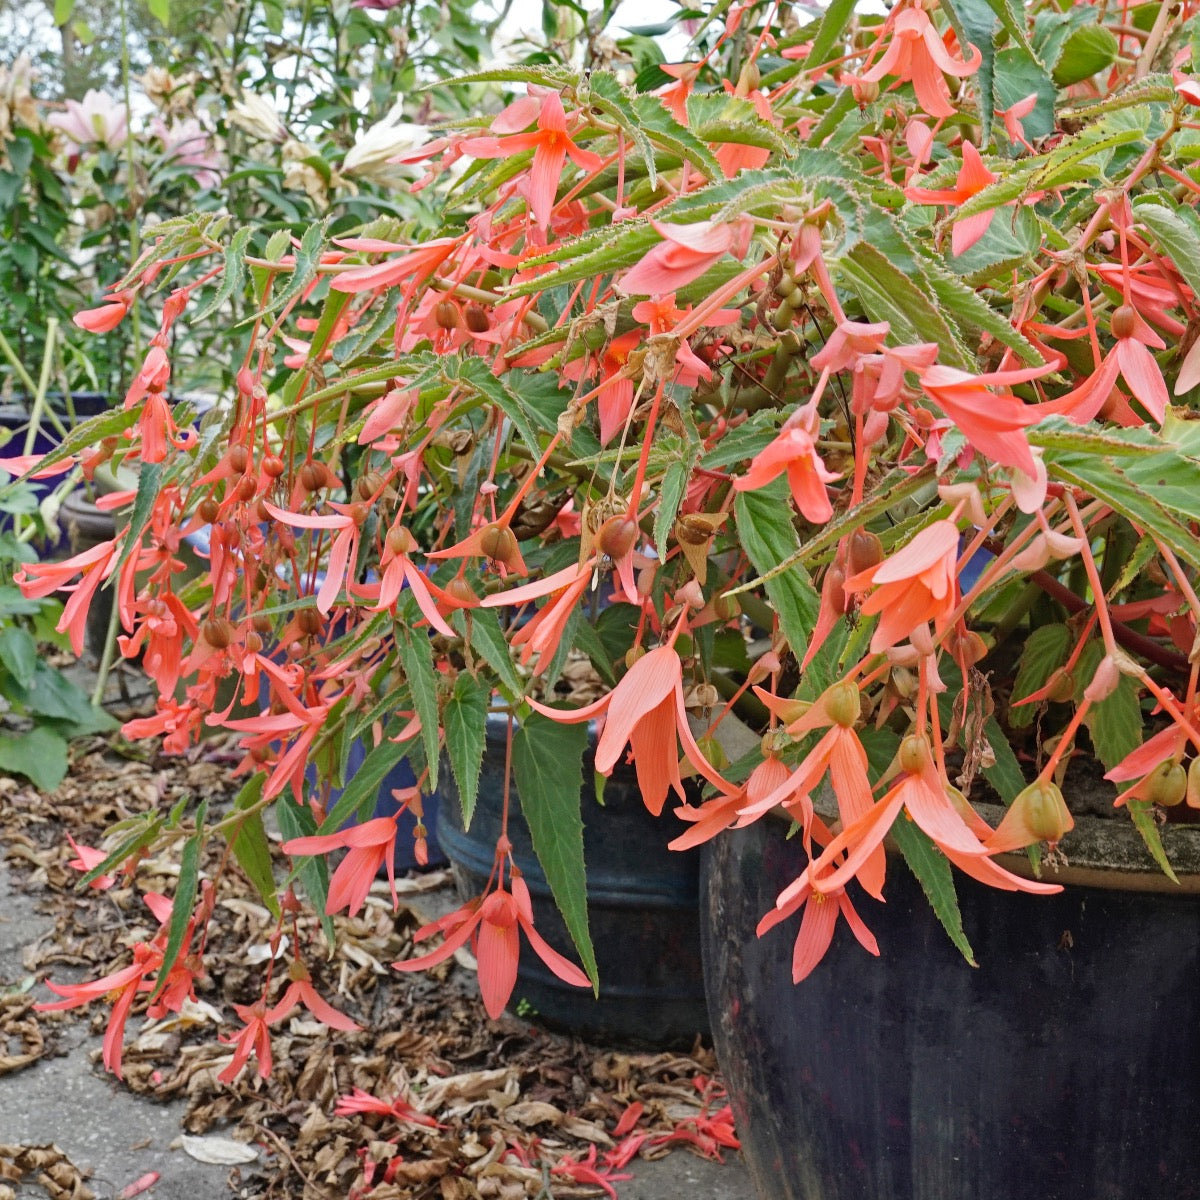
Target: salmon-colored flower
917,53
253,1038
645,711
93,566
371,845
993,422
1130,357
795,451
913,585
551,145
300,991
105,317
684,254
417,262
1013,115
358,1101
821,911
973,177
543,632
85,859
494,923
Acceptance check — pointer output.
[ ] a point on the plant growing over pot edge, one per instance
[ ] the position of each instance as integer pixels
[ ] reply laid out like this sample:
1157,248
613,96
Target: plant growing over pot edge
852,357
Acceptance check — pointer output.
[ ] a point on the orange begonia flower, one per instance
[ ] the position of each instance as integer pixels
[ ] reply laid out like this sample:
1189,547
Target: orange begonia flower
973,177
918,54
646,711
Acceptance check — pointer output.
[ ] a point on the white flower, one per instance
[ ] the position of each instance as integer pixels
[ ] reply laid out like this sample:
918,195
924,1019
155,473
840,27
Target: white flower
258,118
375,148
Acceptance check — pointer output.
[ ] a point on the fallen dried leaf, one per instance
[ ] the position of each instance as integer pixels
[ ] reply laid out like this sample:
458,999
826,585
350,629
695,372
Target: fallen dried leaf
219,1152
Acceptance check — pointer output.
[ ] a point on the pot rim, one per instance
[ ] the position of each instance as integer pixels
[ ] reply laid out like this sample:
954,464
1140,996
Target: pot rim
1100,852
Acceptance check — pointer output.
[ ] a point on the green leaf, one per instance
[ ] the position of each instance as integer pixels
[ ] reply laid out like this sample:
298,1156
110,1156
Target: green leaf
932,871
765,529
63,11
888,293
968,309
1177,231
149,483
233,277
477,375
1142,812
248,841
40,755
481,628
1045,650
975,23
295,821
160,10
1086,51
465,721
19,654
185,899
833,25
150,826
416,656
548,771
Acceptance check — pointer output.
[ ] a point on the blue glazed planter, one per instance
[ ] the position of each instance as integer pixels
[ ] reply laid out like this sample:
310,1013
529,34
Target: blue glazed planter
1063,1067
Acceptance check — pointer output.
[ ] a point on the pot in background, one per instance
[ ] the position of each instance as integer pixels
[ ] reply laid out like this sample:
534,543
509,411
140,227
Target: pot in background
642,908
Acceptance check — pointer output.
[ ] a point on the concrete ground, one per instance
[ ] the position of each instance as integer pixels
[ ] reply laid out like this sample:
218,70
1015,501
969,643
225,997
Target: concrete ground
119,1136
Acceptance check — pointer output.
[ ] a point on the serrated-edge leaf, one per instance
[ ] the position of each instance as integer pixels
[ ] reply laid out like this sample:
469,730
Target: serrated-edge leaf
1141,811
764,526
1005,773
833,23
233,277
1177,230
416,656
547,759
135,842
477,375
295,821
933,873
465,721
967,308
481,627
1045,650
149,484
184,900
248,841
888,294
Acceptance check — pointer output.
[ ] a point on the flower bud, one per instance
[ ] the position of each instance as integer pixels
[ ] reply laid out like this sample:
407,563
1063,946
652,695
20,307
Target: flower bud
616,537
217,632
497,542
1124,322
1104,682
863,552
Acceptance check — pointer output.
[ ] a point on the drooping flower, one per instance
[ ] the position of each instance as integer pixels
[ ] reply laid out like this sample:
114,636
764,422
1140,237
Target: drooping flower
794,451
253,1038
973,177
646,711
913,585
494,924
551,144
371,845
300,991
917,53
684,254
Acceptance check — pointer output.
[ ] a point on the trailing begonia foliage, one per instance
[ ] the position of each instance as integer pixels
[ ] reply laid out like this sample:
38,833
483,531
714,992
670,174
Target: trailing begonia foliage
835,385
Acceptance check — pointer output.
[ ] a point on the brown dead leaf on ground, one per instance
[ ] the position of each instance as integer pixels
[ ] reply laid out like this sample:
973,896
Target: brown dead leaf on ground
516,1105
49,1168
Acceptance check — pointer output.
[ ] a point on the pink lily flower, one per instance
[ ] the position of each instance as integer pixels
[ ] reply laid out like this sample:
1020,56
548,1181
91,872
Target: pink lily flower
97,120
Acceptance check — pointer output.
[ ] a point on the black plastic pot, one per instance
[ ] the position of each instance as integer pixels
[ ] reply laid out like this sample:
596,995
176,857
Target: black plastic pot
1066,1066
643,907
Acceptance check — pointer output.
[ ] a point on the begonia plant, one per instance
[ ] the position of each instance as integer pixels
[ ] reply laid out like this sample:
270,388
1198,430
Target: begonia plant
836,383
